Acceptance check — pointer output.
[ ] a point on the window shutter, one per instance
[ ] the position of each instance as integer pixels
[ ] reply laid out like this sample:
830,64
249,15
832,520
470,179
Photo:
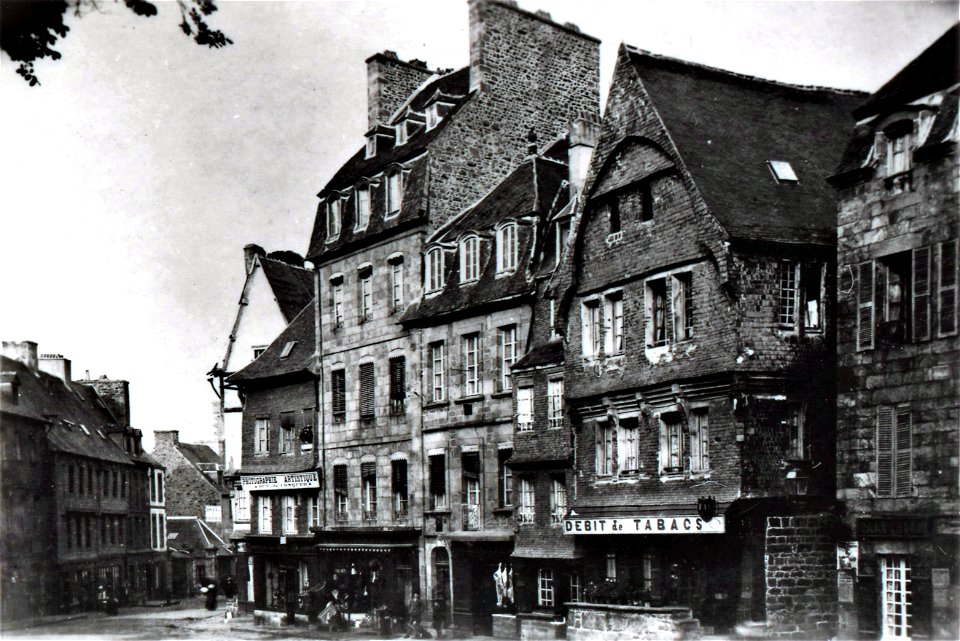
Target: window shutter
340,478
676,307
865,307
904,457
948,288
338,383
397,378
368,469
884,451
921,293
366,391
668,317
399,477
438,475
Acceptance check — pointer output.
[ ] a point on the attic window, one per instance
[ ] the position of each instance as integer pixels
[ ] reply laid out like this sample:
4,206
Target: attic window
783,171
433,116
371,146
84,428
402,134
287,348
101,435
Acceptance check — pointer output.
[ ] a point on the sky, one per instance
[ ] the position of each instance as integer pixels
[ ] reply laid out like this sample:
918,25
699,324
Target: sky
131,179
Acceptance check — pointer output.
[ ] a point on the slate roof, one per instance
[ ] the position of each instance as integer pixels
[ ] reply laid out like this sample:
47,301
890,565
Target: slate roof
66,407
536,188
190,533
545,354
455,85
936,69
302,330
292,286
727,126
196,453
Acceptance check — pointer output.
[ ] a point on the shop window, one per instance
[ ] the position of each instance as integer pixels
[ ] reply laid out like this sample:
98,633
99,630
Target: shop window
896,597
398,481
504,478
438,482
368,481
338,391
367,398
507,347
398,385
545,588
894,451
611,568
555,403
628,444
471,364
438,371
526,509
525,409
341,498
558,499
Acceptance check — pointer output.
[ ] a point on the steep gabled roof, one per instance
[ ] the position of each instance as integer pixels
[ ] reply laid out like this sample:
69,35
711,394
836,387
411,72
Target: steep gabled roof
726,127
197,453
292,286
299,359
190,533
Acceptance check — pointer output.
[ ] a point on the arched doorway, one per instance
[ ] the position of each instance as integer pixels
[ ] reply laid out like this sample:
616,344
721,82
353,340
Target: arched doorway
440,558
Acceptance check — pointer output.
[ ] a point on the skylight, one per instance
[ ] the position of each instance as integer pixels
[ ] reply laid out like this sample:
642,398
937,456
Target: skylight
783,171
84,428
287,349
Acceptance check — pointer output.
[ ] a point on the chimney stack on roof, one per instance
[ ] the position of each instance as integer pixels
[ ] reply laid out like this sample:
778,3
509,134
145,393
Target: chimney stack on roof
115,395
584,133
23,351
56,365
249,253
390,82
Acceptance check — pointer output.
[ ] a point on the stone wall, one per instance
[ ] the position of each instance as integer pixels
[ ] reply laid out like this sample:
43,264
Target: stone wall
187,490
801,577
599,622
390,81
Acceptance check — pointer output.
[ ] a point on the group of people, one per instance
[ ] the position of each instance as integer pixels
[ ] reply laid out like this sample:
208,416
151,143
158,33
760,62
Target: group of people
415,611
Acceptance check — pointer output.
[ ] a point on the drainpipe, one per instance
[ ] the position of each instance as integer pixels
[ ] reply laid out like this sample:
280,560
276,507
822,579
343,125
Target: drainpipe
320,445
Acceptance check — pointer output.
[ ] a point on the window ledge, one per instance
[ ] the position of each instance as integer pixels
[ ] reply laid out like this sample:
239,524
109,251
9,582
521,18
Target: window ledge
473,398
503,510
441,512
436,405
502,394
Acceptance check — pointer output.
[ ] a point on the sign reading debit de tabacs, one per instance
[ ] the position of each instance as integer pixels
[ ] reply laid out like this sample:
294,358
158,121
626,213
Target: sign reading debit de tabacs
683,524
299,480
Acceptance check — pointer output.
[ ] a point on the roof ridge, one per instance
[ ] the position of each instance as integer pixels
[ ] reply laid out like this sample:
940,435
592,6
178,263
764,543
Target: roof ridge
282,262
743,76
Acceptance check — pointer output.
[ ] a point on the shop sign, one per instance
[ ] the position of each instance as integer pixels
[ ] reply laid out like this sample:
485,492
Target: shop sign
684,524
299,480
893,527
212,513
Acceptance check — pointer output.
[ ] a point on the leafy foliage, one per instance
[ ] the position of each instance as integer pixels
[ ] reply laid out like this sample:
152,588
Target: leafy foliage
29,29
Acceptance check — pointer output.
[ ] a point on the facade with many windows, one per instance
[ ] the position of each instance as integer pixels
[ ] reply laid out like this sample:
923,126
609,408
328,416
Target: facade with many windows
898,355
698,370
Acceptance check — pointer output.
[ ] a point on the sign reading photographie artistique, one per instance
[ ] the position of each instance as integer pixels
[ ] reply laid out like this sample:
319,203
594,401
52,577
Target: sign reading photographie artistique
299,480
683,524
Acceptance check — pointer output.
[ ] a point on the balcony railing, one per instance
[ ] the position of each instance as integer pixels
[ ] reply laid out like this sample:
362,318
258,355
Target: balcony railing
471,517
370,516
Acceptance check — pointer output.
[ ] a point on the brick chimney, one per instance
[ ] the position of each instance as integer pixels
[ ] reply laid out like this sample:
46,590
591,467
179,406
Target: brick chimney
23,351
583,138
56,365
390,81
166,438
249,252
115,395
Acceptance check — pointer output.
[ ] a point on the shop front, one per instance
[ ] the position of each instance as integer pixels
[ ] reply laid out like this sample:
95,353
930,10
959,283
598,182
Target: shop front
482,576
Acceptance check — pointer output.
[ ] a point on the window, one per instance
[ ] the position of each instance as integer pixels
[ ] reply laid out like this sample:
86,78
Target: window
433,116
947,321
313,508
672,443
471,364
363,208
340,493
287,421
657,306
289,505
257,351
893,299
398,385
470,482
262,444
628,452
434,269
241,504
306,434
504,478
336,302
402,135
371,150
558,499
700,439
333,217
70,474
525,511
525,409
266,515
592,331
438,482
612,208
896,597
367,399
576,587
604,448
469,259
396,283
611,566
800,289
366,293
394,192
508,356
398,486
437,372
669,309
683,305
368,482
782,171
898,156
555,404
894,450
545,588
507,248
338,392
613,323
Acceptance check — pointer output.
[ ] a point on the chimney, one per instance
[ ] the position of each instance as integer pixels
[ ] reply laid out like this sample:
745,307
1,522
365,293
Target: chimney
167,438
56,365
115,395
583,138
23,351
390,82
249,251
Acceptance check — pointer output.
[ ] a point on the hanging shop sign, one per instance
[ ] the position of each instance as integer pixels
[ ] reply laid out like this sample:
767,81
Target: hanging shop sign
298,480
683,524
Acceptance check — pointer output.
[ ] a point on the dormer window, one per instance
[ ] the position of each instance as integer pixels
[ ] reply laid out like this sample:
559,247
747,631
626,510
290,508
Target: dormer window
363,207
333,217
469,259
371,146
507,248
402,135
434,269
394,194
898,155
433,116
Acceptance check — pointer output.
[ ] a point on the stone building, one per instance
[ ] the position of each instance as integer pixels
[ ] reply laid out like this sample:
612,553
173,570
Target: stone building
199,555
700,351
898,405
76,515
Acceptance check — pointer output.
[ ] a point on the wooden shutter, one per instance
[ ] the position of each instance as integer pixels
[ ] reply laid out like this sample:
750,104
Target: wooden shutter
865,306
668,318
366,391
438,474
885,451
903,447
397,378
948,289
338,383
340,478
368,469
921,294
398,479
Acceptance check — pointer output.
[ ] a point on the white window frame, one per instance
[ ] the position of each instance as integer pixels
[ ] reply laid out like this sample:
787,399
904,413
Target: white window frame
604,445
628,447
393,194
699,439
262,440
336,292
507,248
334,217
788,292
396,283
590,314
434,270
362,201
545,591
438,372
241,505
896,600
289,514
558,500
313,509
365,284
469,259
555,403
472,358
899,153
524,409
526,510
508,355
264,514
576,587
613,323
673,449
369,495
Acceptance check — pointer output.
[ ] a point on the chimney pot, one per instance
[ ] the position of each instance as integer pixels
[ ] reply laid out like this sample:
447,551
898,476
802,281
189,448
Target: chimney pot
56,365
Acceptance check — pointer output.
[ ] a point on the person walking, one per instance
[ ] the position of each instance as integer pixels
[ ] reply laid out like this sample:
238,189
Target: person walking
439,610
414,616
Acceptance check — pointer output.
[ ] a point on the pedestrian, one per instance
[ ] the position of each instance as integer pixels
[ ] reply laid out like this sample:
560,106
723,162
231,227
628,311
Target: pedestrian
439,610
209,590
414,616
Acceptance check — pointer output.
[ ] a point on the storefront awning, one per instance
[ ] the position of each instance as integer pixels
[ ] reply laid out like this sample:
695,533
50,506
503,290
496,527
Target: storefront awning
479,535
364,547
